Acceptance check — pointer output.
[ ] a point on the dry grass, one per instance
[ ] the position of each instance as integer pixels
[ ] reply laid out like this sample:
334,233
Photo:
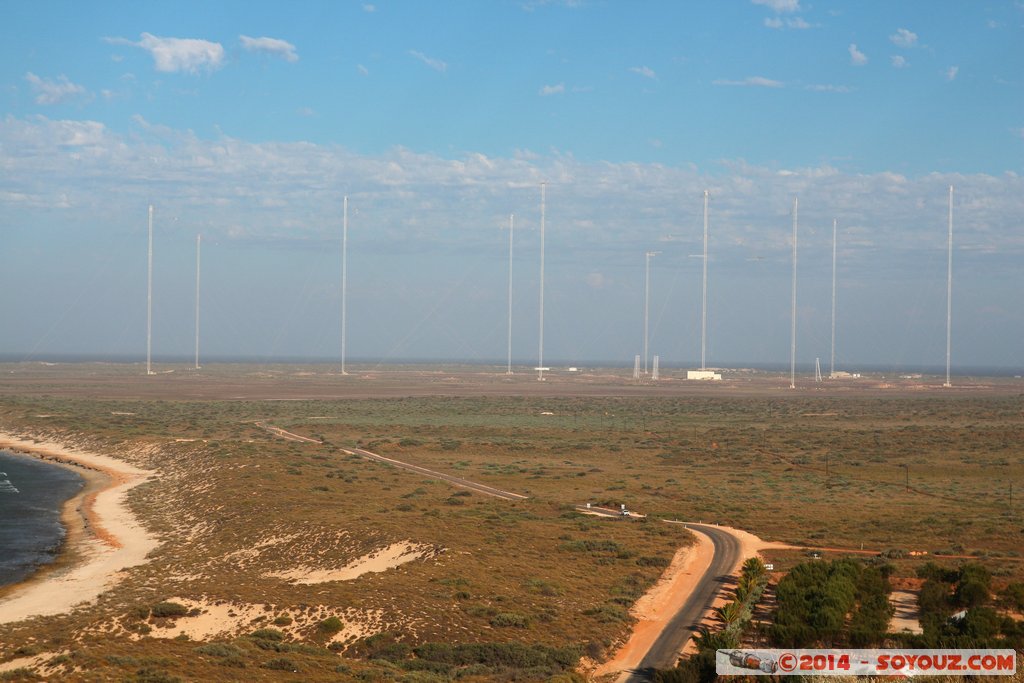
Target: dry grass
234,505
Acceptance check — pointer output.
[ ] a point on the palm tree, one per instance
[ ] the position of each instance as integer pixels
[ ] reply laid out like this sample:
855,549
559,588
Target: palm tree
730,613
754,567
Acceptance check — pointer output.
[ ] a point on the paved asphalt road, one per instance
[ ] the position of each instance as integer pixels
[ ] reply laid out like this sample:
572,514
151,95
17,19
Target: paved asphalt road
665,651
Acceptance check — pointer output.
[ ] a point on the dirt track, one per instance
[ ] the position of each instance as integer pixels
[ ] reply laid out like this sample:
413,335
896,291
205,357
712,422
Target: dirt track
457,481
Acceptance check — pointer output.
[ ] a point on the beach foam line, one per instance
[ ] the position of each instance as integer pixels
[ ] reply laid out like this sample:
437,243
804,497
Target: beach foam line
100,525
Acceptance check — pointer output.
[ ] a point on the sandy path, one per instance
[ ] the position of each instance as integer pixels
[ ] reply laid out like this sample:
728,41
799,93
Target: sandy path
285,434
656,608
103,533
457,481
907,615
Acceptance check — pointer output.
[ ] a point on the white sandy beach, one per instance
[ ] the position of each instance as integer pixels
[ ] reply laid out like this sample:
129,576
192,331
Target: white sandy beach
102,531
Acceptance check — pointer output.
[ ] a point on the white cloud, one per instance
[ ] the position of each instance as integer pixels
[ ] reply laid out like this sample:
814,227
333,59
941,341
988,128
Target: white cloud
54,91
414,205
780,5
272,46
904,38
435,64
645,71
363,71
369,8
798,23
900,62
172,55
225,178
828,87
951,72
752,81
857,58
552,89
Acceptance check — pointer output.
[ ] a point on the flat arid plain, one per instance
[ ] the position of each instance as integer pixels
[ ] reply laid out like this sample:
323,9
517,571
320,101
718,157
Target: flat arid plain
234,526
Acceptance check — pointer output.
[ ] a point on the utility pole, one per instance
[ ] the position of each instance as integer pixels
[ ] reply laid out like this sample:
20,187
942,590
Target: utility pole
199,239
792,347
704,295
832,363
949,289
344,279
540,354
511,229
149,299
647,300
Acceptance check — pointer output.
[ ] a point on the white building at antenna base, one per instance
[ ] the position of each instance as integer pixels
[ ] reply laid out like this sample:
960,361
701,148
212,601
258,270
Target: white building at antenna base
703,374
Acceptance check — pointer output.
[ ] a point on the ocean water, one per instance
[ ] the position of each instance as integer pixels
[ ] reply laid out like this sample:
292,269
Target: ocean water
31,495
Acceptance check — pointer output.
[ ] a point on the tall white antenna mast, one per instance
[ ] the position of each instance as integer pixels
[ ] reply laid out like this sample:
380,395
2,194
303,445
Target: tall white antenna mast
511,229
832,364
792,346
704,298
949,289
199,239
540,355
647,300
149,299
344,279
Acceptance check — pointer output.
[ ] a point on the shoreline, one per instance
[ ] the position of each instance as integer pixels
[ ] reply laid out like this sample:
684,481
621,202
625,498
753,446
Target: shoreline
102,534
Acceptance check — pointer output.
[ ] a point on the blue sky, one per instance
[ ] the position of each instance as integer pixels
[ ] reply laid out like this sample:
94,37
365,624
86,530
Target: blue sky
248,122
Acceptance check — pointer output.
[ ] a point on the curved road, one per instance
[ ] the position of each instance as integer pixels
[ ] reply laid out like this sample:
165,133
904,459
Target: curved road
665,651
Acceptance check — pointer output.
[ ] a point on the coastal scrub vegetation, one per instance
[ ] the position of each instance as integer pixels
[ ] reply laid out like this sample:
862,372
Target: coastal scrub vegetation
237,508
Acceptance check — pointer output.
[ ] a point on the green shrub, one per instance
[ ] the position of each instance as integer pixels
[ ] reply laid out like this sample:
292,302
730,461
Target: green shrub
512,655
271,634
220,650
281,664
330,625
169,610
150,674
608,613
510,619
